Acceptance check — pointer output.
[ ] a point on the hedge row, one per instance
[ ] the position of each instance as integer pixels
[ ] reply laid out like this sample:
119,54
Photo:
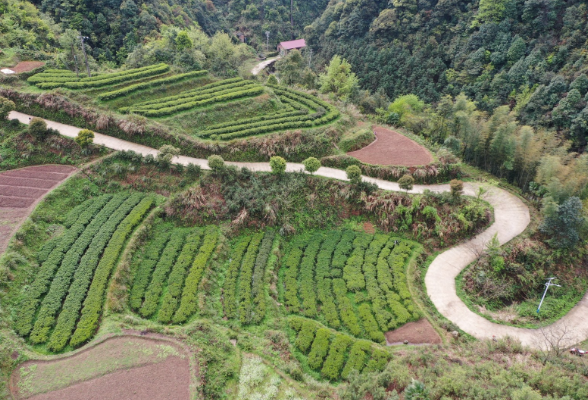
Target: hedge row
369,323
196,104
230,285
376,295
188,304
334,362
346,311
60,76
343,249
257,285
357,357
161,272
352,272
319,349
291,273
75,213
145,269
72,305
306,335
246,276
397,261
90,243
106,80
204,95
146,85
307,289
177,277
323,282
40,286
93,304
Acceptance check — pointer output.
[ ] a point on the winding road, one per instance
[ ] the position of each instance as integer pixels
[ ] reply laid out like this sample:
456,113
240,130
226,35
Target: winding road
511,218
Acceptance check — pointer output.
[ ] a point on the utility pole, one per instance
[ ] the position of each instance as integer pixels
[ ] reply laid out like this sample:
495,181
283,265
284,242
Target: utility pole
267,33
547,285
292,17
73,54
85,55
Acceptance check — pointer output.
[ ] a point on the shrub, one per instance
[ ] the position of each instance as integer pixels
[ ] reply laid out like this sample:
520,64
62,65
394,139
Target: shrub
319,349
278,165
378,361
307,288
84,138
406,182
272,80
230,285
38,128
357,358
6,106
216,163
311,164
456,187
353,174
305,336
416,391
166,154
334,362
193,170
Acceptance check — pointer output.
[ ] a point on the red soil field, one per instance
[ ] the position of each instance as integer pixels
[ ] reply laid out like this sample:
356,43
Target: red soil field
392,148
26,66
20,190
419,332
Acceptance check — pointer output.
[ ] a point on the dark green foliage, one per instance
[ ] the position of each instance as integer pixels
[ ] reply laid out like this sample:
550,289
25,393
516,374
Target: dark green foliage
565,223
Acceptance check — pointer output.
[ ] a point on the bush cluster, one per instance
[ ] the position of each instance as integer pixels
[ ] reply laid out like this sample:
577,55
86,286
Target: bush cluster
357,357
146,85
319,349
346,311
334,362
257,313
352,272
188,304
230,285
306,335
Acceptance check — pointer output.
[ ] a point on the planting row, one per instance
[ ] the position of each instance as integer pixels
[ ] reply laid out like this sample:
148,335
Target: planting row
75,272
335,355
154,83
348,280
169,271
244,287
71,82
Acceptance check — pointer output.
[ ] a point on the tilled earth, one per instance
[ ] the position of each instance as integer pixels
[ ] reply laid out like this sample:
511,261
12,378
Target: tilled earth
419,332
20,190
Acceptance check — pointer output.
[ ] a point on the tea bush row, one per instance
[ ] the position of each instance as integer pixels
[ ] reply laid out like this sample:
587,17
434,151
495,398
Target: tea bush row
246,276
334,362
319,348
44,276
257,285
90,243
291,273
188,304
324,286
307,290
357,357
90,316
146,85
352,272
86,271
230,284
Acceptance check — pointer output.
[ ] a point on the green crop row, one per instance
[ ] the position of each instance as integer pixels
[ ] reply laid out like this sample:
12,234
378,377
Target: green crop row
200,96
256,91
145,269
352,272
44,277
369,323
162,269
188,304
343,249
107,80
246,276
210,88
319,349
334,362
92,239
300,97
295,116
378,361
93,304
74,214
357,357
291,273
177,276
306,335
377,248
62,77
346,311
230,285
257,285
146,85
83,276
323,282
306,280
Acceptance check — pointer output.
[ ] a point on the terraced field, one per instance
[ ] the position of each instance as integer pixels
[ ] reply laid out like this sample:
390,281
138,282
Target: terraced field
63,304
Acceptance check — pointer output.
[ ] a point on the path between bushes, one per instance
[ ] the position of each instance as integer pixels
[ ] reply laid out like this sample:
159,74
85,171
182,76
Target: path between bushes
511,218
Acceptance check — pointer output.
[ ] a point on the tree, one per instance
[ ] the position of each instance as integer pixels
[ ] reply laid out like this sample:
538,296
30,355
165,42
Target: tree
5,107
311,164
516,50
354,174
38,128
580,84
339,78
84,138
183,41
216,163
406,182
564,223
166,154
456,187
490,11
291,67
278,165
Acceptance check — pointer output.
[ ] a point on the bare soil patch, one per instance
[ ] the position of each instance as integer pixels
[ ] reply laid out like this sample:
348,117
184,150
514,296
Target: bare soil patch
392,148
419,332
21,190
26,66
125,367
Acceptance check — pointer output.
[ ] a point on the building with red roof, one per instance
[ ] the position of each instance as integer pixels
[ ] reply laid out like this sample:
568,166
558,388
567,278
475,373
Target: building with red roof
285,47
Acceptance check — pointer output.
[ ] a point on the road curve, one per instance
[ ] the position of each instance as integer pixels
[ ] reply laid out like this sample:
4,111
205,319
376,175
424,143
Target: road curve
511,218
262,65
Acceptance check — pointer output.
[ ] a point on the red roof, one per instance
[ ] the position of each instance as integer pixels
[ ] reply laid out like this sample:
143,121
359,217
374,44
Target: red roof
293,44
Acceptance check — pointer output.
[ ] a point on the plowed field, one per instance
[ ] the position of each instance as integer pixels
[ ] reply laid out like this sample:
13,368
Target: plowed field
392,148
20,190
